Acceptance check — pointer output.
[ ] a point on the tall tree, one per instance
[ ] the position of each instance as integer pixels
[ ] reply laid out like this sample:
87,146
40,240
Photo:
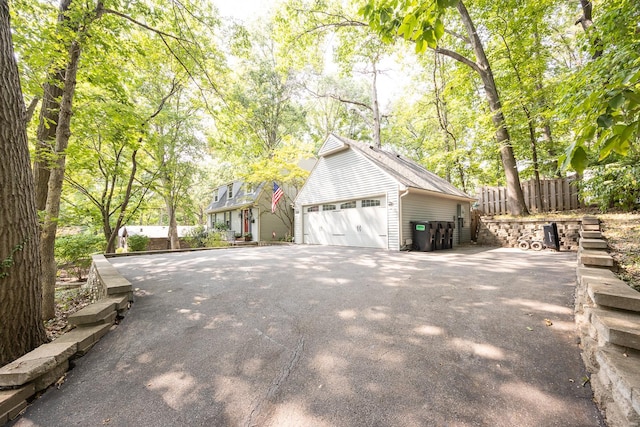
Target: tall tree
20,288
49,112
422,23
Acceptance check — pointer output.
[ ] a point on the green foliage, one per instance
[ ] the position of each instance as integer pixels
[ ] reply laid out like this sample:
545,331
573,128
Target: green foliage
137,242
417,21
613,186
74,251
200,237
603,97
8,262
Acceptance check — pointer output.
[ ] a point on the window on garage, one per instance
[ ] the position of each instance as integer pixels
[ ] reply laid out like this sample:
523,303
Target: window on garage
328,207
348,205
370,203
313,208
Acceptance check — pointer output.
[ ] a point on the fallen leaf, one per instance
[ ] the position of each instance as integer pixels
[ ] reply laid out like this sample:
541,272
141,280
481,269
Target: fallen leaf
529,329
548,322
106,421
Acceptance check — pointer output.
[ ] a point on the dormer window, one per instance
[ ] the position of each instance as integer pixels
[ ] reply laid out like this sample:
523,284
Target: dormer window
215,196
229,191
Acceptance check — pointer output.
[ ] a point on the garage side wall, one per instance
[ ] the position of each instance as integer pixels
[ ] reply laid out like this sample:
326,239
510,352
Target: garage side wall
431,208
345,176
278,223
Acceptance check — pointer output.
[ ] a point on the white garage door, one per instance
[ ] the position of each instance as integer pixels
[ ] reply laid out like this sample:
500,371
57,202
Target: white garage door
360,223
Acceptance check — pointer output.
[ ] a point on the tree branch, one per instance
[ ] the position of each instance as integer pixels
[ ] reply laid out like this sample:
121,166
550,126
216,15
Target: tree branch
458,57
145,26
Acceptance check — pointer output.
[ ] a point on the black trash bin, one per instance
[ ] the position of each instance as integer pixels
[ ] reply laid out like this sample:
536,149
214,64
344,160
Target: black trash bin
440,231
448,235
551,239
422,235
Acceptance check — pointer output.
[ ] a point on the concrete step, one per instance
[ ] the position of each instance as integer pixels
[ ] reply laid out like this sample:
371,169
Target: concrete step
94,313
14,401
85,336
36,363
591,234
595,258
590,220
619,372
612,292
593,243
616,327
590,227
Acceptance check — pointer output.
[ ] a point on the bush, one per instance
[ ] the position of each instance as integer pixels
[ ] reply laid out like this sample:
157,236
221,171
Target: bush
613,186
200,237
196,237
137,242
74,251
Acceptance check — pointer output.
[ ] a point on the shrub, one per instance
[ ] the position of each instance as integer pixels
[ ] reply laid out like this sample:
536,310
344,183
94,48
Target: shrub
613,186
196,237
74,251
137,242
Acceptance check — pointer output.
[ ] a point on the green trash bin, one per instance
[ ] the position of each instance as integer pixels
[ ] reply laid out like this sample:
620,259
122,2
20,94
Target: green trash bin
423,236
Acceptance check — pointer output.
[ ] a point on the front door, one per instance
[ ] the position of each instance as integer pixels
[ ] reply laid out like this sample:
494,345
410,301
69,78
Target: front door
246,222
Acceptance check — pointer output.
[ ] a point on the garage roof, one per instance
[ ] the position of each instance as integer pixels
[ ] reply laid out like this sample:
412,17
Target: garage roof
407,172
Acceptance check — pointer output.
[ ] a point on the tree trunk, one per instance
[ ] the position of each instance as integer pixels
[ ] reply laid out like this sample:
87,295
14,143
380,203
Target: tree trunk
48,123
173,225
56,178
534,158
112,238
515,197
375,108
20,292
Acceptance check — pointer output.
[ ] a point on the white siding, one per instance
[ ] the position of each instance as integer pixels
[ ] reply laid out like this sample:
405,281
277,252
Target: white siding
432,208
345,176
332,143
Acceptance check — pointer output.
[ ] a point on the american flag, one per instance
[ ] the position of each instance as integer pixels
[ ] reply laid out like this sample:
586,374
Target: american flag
277,195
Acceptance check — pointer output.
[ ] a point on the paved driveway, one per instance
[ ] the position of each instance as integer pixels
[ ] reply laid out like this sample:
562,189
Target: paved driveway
328,336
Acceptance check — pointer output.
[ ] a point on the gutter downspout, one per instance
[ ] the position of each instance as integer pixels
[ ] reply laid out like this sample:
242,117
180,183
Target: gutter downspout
402,239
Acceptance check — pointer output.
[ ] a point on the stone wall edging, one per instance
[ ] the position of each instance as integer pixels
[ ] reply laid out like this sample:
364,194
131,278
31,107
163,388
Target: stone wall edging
47,365
613,383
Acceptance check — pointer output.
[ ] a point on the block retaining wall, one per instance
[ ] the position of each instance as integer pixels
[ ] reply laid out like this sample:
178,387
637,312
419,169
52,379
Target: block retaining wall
506,232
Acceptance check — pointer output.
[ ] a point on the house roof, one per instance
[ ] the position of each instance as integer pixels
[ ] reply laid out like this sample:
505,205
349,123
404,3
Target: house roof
239,197
405,171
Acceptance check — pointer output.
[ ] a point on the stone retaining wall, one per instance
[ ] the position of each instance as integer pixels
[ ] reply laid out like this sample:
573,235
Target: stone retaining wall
47,364
607,314
506,232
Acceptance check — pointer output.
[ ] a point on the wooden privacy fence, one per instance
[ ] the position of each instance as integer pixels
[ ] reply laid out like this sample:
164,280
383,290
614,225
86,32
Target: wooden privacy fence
557,195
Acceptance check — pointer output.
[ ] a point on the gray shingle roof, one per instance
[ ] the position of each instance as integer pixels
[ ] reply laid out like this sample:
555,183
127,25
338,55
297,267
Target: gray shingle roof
405,171
239,197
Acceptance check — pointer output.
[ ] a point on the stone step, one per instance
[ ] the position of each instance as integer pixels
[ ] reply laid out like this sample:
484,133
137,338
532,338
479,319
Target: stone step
14,401
590,227
110,277
590,220
613,292
595,258
591,234
601,273
85,336
36,363
616,327
593,243
94,313
619,373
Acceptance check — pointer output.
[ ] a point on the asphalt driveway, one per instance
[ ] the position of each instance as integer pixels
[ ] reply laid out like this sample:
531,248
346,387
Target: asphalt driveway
329,336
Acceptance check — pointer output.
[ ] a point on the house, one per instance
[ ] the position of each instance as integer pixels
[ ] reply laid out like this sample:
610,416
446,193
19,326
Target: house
245,209
360,195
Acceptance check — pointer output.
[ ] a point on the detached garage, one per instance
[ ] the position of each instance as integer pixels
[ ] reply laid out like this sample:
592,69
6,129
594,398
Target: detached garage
359,195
